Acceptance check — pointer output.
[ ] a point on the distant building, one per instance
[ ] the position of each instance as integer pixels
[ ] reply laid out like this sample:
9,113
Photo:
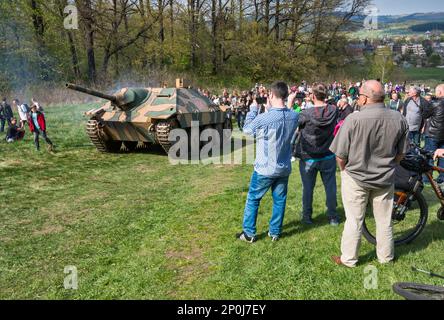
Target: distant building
355,49
397,48
415,49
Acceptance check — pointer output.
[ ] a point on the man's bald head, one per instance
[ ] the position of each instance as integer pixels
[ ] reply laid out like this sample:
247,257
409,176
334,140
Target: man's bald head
439,91
374,91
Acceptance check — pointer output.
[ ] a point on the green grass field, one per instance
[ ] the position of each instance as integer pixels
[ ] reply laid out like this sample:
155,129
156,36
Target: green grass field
138,228
435,75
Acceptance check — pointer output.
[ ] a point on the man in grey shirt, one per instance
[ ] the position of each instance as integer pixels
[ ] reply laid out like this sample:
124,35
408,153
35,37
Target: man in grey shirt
368,147
412,111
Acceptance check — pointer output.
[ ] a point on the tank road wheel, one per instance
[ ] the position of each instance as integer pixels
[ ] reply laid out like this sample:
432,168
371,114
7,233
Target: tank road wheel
163,130
130,145
144,146
98,138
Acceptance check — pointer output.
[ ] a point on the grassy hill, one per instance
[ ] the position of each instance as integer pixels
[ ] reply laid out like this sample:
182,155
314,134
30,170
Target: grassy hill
138,228
425,74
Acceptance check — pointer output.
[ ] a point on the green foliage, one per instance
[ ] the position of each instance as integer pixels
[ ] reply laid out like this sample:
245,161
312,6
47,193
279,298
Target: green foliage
127,42
381,64
435,60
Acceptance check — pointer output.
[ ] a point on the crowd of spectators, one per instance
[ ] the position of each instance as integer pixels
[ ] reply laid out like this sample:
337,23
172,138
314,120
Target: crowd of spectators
364,128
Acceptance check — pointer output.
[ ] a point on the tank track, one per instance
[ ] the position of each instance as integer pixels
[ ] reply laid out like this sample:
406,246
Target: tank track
163,130
94,132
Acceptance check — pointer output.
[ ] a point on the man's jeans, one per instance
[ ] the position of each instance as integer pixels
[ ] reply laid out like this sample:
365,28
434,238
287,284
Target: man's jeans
309,171
432,145
259,185
3,122
240,120
415,137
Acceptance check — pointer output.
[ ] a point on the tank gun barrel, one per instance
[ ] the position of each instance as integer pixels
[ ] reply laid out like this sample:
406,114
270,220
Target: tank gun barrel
91,92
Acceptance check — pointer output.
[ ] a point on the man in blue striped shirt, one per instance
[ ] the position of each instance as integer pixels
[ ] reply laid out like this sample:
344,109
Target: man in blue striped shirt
273,131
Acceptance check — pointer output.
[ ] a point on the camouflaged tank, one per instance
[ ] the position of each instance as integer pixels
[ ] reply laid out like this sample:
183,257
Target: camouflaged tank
145,116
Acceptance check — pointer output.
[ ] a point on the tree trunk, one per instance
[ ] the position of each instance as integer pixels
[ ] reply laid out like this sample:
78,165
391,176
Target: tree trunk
241,17
172,19
61,4
193,7
277,21
39,31
214,42
86,13
267,17
161,23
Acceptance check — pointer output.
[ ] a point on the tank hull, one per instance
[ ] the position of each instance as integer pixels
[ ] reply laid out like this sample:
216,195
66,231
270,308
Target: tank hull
151,120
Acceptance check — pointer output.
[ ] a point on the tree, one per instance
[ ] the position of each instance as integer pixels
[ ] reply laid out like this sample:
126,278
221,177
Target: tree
228,39
435,60
381,64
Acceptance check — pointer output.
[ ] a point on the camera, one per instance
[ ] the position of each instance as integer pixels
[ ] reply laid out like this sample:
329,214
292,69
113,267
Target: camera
261,100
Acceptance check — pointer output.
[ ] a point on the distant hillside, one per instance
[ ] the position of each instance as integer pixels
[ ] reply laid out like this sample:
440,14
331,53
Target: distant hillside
424,27
432,17
422,17
397,25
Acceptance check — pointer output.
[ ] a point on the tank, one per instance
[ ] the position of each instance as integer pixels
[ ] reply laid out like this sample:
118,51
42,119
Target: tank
141,117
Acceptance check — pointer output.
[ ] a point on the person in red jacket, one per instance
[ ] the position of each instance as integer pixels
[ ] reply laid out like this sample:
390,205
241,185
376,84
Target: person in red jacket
37,125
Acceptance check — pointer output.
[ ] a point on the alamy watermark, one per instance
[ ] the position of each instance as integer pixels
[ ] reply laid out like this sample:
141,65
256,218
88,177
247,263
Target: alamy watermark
211,146
371,278
71,281
71,21
371,18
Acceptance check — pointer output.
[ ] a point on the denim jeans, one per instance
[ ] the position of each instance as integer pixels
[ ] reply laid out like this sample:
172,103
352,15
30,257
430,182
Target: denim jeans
432,145
3,122
309,171
36,138
240,120
415,137
259,186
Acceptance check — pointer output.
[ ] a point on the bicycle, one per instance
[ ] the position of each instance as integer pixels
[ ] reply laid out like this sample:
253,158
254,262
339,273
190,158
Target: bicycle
410,210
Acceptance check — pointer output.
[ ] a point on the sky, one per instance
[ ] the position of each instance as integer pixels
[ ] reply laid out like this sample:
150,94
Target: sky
396,7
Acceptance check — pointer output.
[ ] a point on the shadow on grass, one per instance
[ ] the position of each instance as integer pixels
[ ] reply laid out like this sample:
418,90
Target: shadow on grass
297,227
236,144
154,149
433,232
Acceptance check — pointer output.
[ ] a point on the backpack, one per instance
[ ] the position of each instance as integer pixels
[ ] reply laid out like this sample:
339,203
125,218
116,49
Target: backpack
25,108
338,126
404,179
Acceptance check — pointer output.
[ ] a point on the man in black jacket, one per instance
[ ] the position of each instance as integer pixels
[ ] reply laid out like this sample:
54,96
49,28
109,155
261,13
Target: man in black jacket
344,109
435,115
6,114
316,128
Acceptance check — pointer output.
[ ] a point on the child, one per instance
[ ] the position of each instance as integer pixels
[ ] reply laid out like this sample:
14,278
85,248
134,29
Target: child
37,125
14,133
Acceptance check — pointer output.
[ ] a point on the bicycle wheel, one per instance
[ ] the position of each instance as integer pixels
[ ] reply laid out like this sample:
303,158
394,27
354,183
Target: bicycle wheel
416,291
407,225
